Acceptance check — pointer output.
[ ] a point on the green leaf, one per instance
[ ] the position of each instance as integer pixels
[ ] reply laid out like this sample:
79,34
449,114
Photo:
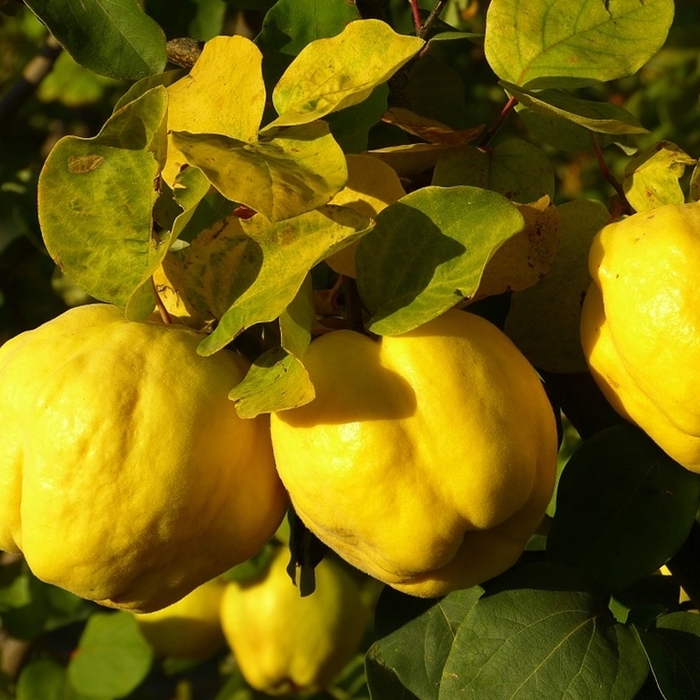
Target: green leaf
112,657
550,43
269,264
350,127
435,90
190,188
544,319
428,251
516,169
601,117
652,177
42,679
542,631
673,650
277,380
115,39
292,24
96,197
415,638
298,170
341,71
73,85
623,507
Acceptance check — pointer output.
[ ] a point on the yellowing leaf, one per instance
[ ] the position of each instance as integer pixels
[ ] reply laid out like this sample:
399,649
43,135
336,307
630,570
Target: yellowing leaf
341,71
552,43
278,380
296,171
427,129
256,272
224,93
371,186
525,257
652,177
96,198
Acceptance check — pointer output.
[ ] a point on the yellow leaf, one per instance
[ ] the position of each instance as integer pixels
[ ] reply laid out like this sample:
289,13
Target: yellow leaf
224,93
372,185
341,71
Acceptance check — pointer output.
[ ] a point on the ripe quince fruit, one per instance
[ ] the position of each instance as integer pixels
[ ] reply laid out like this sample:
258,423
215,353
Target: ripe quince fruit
126,475
427,459
189,628
284,643
640,325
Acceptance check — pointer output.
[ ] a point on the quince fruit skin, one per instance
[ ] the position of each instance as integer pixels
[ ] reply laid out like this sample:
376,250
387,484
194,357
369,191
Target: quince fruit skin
640,325
285,644
427,459
126,475
189,628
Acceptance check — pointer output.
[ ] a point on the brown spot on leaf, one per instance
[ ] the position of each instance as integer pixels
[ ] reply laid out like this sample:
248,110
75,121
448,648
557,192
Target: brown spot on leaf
79,165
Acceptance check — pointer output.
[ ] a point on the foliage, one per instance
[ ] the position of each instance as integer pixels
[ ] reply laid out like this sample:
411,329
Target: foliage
206,143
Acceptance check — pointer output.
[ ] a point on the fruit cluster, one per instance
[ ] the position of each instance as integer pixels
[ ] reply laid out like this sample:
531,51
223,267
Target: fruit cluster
426,460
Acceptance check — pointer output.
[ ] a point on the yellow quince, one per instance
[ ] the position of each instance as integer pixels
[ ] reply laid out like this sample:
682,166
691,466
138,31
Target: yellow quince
189,628
640,327
427,459
126,475
284,643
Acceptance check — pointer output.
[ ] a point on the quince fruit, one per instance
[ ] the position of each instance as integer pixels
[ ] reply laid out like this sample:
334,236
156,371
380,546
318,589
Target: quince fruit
189,628
427,459
126,475
284,643
640,325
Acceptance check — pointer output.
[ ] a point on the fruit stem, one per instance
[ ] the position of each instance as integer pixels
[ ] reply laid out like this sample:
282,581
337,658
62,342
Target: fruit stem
164,315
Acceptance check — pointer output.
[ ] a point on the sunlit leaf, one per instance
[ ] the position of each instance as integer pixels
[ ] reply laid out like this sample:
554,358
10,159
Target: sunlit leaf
334,73
96,198
223,94
293,172
544,320
268,264
556,43
277,380
372,186
111,38
428,251
542,631
190,188
601,117
525,258
652,177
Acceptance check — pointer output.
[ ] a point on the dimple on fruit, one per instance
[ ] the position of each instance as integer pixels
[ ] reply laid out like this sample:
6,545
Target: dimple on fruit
426,459
640,327
284,643
126,475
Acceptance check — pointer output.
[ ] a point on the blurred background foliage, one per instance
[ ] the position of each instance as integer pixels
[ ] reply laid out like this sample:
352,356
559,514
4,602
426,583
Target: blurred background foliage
454,85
